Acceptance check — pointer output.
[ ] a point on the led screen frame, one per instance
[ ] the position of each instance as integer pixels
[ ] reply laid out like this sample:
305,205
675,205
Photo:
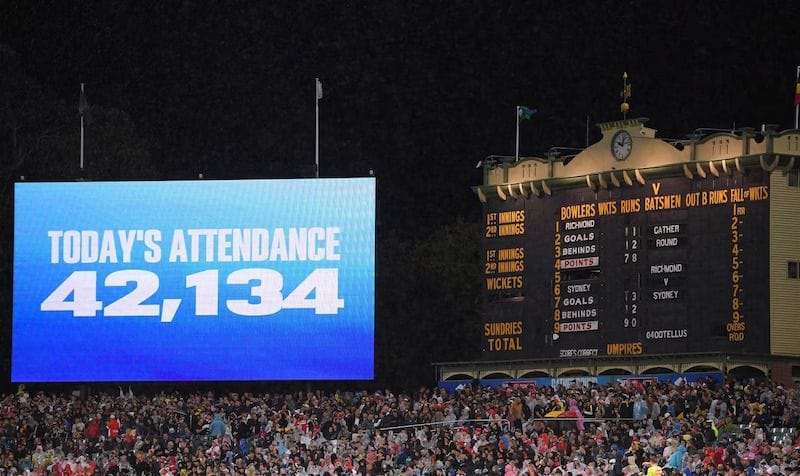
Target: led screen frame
285,291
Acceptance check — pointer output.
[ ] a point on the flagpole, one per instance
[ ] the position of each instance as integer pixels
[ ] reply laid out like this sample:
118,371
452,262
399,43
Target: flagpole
796,105
81,132
316,141
587,131
516,155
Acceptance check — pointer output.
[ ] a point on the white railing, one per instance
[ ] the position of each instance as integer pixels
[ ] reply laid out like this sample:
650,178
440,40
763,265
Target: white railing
504,423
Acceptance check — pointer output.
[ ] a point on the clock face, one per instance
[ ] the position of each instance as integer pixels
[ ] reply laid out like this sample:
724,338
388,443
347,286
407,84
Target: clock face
621,145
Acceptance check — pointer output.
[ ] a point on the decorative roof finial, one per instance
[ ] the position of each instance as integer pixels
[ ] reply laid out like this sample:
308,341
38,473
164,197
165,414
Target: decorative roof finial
625,94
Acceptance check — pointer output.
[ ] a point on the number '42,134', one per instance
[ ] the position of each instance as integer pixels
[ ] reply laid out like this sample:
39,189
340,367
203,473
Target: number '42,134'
318,291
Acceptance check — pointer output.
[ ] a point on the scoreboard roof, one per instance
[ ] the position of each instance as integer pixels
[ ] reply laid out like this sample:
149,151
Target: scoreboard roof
630,152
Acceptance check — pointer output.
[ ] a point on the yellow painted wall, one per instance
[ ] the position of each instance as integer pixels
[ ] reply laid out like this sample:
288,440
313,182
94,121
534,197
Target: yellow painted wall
784,218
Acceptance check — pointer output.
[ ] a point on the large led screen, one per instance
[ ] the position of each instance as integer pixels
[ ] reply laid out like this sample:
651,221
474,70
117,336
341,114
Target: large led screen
194,280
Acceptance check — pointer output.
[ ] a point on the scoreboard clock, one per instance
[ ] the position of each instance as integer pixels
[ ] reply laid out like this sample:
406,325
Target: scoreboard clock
670,266
621,145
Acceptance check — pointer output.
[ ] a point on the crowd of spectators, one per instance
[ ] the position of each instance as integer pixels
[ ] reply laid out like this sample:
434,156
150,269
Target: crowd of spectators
627,428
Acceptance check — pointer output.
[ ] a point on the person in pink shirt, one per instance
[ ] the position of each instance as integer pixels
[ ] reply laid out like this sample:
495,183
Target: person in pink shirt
510,469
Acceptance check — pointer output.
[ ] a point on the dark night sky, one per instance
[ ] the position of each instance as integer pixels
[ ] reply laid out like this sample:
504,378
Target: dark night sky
417,91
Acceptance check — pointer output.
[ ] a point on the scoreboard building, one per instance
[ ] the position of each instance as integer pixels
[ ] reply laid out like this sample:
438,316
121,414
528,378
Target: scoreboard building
641,255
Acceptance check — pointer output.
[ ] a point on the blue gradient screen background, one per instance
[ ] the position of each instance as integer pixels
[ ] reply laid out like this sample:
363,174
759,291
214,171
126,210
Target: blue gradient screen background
292,344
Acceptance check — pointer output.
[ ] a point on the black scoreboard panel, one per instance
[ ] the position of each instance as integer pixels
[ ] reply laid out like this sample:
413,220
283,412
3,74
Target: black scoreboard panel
667,267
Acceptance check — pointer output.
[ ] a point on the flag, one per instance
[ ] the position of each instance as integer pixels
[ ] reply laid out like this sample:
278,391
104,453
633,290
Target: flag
797,94
525,112
83,108
319,89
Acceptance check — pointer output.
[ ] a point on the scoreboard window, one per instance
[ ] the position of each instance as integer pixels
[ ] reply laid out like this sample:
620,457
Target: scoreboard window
794,178
794,270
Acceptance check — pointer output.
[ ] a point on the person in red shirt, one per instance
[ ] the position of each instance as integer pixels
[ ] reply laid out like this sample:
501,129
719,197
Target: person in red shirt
113,426
93,429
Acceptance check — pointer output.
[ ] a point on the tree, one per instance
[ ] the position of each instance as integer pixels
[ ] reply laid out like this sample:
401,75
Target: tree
40,134
428,303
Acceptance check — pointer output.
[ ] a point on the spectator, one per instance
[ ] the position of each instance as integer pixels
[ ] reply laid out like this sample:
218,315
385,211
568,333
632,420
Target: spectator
311,433
217,427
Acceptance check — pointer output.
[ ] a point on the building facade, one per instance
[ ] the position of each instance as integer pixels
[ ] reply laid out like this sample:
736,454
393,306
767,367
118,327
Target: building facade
642,255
